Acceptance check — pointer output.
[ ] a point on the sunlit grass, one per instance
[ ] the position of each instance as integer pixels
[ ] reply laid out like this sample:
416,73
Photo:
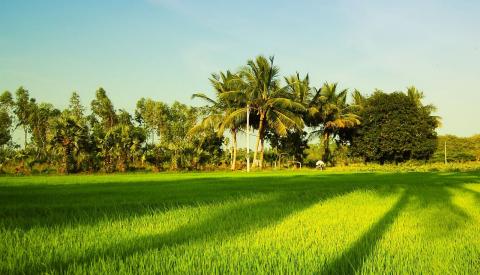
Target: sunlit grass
307,222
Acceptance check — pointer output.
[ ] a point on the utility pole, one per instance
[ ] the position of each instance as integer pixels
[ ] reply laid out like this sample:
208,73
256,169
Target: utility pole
248,137
445,152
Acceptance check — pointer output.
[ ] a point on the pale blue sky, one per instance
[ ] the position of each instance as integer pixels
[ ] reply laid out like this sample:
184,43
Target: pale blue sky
166,49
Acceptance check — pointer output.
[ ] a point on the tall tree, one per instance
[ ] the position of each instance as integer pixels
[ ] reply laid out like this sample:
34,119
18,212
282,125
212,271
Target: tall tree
151,114
86,155
299,88
104,119
127,139
221,108
273,105
23,110
40,124
180,118
103,108
295,142
333,115
75,106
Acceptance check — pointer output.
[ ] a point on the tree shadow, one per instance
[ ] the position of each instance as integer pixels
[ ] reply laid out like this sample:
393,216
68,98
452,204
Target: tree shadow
431,191
67,205
86,204
227,223
352,260
476,194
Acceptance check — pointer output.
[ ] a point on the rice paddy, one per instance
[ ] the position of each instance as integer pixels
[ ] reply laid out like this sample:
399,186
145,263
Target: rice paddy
275,223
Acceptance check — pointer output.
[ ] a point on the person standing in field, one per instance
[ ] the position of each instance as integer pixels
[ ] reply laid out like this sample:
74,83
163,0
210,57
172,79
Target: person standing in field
320,165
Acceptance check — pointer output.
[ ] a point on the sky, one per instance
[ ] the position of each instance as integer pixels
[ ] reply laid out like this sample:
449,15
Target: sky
167,49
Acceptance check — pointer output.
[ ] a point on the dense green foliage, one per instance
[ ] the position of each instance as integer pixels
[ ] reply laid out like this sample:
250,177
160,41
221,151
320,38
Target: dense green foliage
106,140
459,149
284,114
334,117
371,223
6,120
395,128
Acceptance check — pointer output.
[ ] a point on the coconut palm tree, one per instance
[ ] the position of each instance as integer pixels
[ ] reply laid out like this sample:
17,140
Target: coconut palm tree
299,88
417,96
333,114
272,105
301,92
221,108
359,100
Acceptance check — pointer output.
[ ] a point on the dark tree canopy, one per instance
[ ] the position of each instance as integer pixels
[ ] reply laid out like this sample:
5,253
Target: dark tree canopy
395,128
293,144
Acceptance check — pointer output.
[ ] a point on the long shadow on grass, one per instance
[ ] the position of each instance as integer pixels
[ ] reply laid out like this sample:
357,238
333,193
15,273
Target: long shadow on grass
50,206
464,189
430,190
285,195
352,260
53,206
258,210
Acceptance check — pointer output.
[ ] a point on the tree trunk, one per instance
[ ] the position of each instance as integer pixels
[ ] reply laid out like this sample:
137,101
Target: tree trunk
106,163
25,140
174,164
67,159
234,156
262,150
257,143
44,149
123,162
326,144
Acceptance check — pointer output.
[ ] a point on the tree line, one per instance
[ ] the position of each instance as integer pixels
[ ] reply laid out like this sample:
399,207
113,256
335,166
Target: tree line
457,149
286,114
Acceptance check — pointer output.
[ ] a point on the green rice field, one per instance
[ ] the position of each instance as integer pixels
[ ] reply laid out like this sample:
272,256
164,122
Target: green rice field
271,223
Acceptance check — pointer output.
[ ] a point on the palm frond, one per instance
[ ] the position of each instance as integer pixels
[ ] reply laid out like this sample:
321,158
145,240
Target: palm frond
285,103
230,118
204,97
